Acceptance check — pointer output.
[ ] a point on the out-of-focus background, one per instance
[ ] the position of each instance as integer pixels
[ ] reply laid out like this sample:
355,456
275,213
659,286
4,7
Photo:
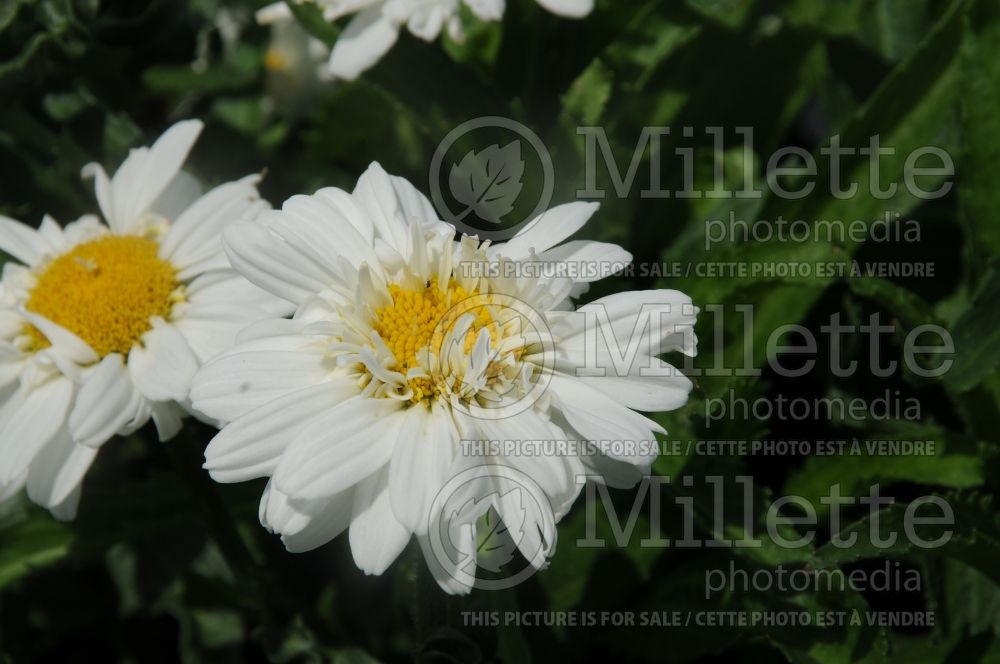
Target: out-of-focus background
152,569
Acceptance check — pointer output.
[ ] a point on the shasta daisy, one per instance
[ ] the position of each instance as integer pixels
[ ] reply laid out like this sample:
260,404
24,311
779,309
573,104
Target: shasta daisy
407,340
102,325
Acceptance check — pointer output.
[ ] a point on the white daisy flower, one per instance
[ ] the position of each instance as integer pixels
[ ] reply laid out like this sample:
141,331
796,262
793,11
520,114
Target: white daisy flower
375,25
407,340
103,326
296,66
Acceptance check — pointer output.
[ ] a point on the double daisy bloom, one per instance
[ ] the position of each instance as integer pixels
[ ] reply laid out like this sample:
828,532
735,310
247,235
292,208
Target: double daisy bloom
349,345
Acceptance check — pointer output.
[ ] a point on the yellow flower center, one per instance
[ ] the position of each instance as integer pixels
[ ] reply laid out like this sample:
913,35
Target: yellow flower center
105,291
419,319
275,60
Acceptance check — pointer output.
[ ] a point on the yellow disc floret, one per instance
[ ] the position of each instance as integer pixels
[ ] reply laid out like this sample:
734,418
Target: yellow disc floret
419,319
106,292
275,60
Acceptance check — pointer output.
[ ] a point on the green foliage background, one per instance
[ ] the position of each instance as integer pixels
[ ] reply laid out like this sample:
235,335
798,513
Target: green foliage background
162,565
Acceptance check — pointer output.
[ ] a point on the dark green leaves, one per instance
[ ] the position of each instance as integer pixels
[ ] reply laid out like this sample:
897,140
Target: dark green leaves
977,337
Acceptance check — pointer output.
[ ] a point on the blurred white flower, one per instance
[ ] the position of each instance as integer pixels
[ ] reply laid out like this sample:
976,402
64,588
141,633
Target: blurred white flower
295,64
102,325
375,25
406,341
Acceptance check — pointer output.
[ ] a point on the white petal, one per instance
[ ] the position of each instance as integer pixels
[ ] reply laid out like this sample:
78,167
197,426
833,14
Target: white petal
277,12
549,471
107,404
102,188
616,474
547,230
227,286
651,393
619,432
376,537
31,422
221,304
568,8
250,446
168,418
52,234
144,175
278,514
66,510
332,519
12,487
591,260
528,520
652,322
197,232
325,228
182,191
427,24
446,571
268,261
11,366
487,10
211,329
414,206
376,195
428,442
162,366
340,448
363,42
237,383
22,242
11,325
86,228
349,210
336,9
58,470
64,343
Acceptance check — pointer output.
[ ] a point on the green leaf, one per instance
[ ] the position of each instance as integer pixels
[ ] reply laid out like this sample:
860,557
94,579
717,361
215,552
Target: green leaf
975,536
66,105
21,60
977,338
218,628
910,309
310,16
912,108
567,576
8,12
954,463
979,194
832,18
244,114
585,100
31,541
159,506
971,599
240,69
894,27
730,13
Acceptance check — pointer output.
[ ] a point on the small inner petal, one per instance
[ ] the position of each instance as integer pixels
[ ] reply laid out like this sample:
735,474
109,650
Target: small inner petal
422,319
